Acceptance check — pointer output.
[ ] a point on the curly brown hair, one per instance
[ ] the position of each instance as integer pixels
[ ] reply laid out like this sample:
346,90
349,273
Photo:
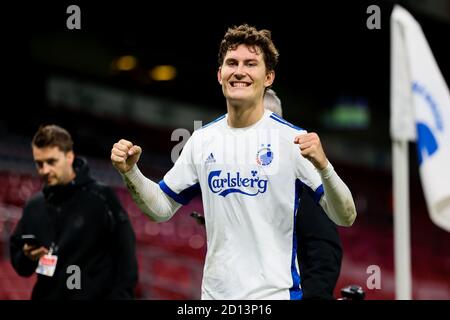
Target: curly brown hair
53,136
250,36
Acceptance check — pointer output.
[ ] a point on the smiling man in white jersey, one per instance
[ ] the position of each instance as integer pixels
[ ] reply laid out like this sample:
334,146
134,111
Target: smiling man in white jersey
249,165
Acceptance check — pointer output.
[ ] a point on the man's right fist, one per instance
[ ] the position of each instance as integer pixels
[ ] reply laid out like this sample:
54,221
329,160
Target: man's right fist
124,155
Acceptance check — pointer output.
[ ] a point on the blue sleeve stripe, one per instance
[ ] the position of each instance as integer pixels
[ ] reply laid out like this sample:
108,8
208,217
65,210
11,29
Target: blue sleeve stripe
316,195
282,121
276,115
185,196
214,121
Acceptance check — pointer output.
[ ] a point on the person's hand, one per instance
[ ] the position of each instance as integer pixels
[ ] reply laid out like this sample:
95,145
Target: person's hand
124,155
34,254
311,149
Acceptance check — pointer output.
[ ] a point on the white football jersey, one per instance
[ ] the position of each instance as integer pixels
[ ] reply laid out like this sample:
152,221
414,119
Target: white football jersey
250,179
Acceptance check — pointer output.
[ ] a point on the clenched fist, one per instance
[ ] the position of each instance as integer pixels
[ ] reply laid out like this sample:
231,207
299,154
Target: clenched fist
311,149
124,155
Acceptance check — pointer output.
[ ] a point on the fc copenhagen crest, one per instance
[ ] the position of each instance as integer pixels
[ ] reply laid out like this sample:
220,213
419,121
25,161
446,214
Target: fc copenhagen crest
264,156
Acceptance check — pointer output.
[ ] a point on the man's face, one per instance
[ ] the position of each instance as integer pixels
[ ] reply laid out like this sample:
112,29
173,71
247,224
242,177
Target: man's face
53,165
243,74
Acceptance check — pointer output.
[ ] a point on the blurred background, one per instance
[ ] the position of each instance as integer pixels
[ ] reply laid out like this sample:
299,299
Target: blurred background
141,70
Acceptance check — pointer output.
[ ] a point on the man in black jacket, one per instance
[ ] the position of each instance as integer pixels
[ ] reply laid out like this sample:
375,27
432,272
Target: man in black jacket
318,245
83,244
319,250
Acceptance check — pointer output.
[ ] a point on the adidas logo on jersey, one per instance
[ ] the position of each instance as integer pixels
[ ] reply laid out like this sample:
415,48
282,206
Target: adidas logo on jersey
210,159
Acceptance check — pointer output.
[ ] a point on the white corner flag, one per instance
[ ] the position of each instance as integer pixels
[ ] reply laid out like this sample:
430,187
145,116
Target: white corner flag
420,111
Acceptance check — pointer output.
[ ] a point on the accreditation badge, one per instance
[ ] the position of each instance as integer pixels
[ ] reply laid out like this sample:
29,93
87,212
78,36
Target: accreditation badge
47,265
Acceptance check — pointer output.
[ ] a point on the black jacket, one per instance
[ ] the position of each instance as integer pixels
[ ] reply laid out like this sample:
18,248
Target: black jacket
90,229
319,250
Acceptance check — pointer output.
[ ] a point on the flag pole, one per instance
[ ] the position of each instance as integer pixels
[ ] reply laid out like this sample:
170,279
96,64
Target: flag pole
402,251
402,131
